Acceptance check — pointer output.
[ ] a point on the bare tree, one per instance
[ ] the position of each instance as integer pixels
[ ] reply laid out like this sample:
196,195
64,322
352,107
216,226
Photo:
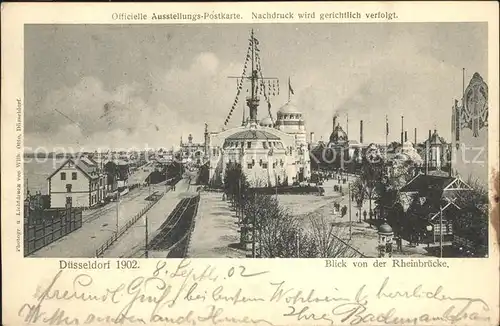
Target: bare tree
371,176
327,239
358,190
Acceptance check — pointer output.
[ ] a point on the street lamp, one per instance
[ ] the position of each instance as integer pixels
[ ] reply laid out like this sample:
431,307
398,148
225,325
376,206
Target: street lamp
429,230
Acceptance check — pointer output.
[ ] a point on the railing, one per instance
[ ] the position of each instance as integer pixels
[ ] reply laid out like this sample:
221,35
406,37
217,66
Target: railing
123,229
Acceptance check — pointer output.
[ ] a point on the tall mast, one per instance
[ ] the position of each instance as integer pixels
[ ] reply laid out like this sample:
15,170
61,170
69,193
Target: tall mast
243,118
253,69
386,134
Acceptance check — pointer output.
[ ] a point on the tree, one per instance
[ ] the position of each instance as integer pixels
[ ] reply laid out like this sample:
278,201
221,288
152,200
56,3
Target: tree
203,175
358,190
327,239
235,183
371,176
472,218
277,231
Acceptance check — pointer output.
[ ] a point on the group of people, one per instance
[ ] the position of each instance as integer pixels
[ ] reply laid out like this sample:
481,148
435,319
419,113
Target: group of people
372,214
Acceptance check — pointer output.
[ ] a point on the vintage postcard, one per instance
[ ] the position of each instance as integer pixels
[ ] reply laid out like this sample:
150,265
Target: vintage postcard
250,163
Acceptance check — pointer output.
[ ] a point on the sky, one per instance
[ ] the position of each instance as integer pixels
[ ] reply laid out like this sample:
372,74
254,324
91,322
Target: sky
146,86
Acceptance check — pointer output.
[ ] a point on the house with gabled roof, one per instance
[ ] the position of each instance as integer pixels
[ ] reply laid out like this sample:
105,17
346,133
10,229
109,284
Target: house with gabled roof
77,181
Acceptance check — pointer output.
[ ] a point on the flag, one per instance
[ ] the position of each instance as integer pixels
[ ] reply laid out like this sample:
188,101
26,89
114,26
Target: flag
290,87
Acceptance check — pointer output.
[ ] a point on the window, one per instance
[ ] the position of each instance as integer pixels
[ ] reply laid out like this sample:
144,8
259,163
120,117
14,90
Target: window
250,165
249,144
73,175
68,187
214,151
63,175
264,165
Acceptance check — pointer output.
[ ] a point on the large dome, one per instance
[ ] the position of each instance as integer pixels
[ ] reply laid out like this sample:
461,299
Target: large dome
288,108
252,135
338,135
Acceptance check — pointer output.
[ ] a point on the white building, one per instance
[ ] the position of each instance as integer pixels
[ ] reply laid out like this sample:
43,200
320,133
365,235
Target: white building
77,181
268,156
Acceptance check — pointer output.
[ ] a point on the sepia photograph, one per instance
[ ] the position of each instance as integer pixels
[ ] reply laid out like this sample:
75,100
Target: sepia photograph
355,140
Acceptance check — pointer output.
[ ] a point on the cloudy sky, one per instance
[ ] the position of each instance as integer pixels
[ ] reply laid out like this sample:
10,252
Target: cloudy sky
148,85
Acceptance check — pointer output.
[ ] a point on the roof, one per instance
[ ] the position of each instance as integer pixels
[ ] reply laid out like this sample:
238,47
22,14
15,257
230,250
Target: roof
384,228
87,161
252,135
83,167
267,121
289,107
338,135
423,183
436,139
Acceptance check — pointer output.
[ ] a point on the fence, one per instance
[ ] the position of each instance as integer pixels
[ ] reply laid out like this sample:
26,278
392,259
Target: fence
42,227
123,229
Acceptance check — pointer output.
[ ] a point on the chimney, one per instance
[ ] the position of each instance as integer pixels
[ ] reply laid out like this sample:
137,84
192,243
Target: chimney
334,121
406,136
415,139
430,134
312,137
402,118
361,131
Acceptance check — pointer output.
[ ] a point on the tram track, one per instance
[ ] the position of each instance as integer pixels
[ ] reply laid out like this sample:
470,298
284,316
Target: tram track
176,225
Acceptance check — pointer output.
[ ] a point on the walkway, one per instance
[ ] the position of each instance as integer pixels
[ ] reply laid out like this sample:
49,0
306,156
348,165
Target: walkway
215,231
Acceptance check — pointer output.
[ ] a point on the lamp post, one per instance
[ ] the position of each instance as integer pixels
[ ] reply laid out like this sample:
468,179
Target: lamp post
146,240
117,209
440,231
429,230
349,201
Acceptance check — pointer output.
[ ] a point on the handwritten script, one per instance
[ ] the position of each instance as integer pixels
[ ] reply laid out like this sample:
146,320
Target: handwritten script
180,293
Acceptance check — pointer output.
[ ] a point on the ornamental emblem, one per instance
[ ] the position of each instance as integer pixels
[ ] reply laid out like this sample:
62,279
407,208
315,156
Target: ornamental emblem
474,113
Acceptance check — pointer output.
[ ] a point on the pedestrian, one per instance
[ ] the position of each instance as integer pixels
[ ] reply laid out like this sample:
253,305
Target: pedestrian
399,243
371,214
364,214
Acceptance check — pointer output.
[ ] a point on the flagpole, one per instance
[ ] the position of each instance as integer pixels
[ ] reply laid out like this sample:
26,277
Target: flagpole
348,153
289,89
386,134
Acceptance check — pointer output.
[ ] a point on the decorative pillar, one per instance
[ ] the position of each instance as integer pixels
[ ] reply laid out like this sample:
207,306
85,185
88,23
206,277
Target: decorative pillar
385,238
